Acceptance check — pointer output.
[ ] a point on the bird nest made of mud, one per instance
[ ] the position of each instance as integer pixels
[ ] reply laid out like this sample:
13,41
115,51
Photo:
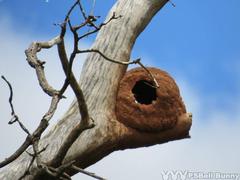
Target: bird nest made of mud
142,106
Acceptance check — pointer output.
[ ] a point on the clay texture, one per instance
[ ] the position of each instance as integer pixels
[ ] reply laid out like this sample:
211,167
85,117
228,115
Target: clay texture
161,114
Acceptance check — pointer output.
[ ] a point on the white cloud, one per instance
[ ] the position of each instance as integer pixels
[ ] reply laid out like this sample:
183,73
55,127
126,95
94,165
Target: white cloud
29,100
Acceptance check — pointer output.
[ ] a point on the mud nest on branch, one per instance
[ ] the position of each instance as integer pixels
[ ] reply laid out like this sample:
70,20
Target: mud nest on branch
142,106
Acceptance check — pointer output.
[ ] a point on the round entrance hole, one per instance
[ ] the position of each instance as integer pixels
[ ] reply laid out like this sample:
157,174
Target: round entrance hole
144,92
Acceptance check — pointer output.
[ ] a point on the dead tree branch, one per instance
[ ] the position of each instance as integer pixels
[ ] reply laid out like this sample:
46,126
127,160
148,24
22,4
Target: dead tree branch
14,119
33,138
137,61
14,116
87,173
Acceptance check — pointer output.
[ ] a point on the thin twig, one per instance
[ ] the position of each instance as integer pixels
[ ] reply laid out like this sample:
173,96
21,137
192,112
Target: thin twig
71,9
107,58
27,172
10,96
14,116
173,4
36,152
82,10
14,119
87,173
150,74
88,33
57,173
61,169
18,152
39,152
91,20
137,61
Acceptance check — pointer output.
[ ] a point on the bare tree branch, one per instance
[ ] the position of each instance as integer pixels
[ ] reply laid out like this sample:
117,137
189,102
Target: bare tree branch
91,20
56,96
27,172
10,96
14,119
14,116
137,61
87,173
18,152
82,10
174,5
34,62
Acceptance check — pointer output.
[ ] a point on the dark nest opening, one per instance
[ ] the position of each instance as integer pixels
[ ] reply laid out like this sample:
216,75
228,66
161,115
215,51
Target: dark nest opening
144,92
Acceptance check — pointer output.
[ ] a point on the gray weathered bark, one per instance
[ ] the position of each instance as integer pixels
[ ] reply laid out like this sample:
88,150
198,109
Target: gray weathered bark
99,81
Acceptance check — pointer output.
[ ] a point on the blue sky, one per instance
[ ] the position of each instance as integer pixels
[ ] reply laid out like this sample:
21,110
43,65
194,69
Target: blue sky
197,42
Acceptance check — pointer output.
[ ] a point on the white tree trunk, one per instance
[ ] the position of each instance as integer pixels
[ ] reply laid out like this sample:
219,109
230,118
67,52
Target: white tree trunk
99,82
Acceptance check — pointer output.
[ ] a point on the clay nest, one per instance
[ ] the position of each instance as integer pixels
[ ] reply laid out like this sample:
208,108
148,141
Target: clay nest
143,107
